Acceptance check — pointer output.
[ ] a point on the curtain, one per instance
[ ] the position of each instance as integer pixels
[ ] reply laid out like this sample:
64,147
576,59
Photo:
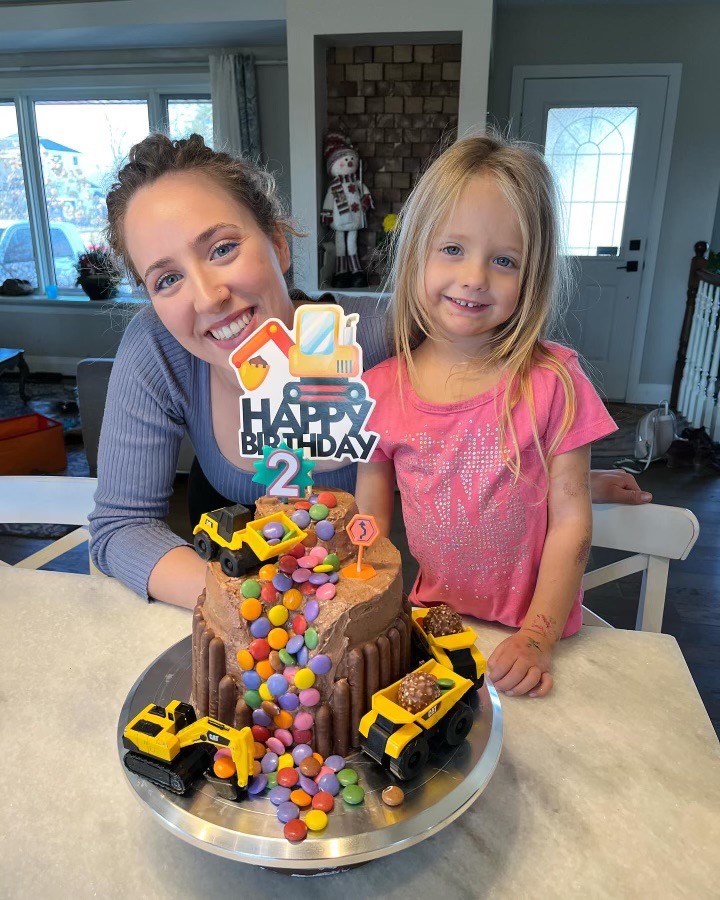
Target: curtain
236,128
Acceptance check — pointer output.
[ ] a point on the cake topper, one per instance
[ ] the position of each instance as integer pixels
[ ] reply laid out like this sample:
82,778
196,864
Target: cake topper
307,389
363,532
284,472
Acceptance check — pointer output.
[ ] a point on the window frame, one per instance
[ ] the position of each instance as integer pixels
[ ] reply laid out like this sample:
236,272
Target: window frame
153,85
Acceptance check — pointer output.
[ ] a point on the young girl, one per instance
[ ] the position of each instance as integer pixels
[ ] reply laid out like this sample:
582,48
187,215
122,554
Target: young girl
484,423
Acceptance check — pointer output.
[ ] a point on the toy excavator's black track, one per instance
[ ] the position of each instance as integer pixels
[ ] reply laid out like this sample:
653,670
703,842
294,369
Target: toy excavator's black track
177,776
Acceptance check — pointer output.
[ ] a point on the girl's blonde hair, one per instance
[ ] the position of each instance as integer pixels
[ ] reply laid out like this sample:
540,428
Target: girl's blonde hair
522,175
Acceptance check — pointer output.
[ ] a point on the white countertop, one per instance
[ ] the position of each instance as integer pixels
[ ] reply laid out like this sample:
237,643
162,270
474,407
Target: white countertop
609,787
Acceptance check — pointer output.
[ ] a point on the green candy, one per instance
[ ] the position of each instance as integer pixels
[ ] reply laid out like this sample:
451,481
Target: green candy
286,658
311,638
332,560
272,779
250,588
445,683
318,512
347,777
353,793
253,699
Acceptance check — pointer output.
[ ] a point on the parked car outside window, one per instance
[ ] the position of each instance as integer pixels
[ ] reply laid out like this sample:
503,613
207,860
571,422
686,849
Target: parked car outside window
16,252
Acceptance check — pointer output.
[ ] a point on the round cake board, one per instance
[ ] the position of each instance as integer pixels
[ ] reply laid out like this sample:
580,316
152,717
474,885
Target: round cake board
250,832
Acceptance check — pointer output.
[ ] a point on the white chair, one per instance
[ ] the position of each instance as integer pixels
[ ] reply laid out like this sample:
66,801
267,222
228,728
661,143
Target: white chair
50,500
655,535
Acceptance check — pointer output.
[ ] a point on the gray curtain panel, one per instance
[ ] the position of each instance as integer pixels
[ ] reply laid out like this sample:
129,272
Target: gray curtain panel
236,128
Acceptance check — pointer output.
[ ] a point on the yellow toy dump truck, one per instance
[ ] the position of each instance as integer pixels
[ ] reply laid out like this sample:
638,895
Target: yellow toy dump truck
236,539
454,651
400,740
168,746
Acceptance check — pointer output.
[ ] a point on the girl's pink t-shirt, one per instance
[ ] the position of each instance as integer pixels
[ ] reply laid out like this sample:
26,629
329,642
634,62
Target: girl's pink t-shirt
476,533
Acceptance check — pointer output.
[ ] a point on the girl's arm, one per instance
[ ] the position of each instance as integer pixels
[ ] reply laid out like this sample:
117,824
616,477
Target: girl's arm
375,492
522,663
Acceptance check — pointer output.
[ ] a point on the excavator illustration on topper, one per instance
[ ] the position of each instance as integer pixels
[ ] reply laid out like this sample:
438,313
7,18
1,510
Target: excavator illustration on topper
322,355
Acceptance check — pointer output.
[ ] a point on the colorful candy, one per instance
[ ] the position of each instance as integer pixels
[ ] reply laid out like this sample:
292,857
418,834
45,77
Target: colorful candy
316,820
295,830
325,530
353,794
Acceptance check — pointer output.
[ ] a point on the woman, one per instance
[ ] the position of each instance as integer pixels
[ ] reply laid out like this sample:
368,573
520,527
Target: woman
206,236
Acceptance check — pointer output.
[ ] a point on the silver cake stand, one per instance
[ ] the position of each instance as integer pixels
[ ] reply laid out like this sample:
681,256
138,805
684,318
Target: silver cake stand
250,831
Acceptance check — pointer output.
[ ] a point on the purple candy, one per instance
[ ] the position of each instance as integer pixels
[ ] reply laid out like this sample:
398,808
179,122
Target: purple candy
308,785
260,628
329,782
320,664
261,718
251,680
301,517
282,582
301,752
325,530
302,656
279,795
300,575
295,643
274,541
319,578
313,498
334,577
289,701
257,785
269,762
273,530
335,763
287,811
277,684
312,608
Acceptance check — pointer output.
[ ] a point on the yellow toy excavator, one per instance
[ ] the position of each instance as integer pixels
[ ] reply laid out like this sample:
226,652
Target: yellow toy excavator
168,746
324,356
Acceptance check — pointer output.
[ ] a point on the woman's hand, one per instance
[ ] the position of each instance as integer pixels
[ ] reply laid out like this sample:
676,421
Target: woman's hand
616,486
521,664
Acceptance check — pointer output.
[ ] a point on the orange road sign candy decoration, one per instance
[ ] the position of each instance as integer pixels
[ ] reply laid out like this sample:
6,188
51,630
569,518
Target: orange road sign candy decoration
304,387
363,532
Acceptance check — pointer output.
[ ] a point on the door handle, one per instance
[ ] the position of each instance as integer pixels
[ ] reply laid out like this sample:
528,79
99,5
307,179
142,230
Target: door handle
632,266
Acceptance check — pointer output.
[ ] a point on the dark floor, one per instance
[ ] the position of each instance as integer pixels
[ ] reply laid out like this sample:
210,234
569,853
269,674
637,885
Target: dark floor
692,606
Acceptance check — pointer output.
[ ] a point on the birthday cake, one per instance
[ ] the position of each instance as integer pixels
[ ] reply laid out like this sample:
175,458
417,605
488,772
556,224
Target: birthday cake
296,647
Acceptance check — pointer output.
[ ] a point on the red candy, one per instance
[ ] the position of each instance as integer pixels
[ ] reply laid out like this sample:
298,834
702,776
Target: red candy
288,777
322,800
307,589
295,830
259,649
301,737
297,551
287,564
268,593
327,498
299,626
260,733
302,504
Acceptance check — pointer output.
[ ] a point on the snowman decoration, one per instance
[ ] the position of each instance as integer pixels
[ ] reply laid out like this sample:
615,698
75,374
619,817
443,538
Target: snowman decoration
344,208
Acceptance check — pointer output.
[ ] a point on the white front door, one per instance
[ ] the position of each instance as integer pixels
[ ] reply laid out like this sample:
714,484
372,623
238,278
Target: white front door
602,138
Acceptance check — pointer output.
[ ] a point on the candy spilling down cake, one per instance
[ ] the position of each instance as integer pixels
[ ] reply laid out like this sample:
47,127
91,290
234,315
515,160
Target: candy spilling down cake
295,648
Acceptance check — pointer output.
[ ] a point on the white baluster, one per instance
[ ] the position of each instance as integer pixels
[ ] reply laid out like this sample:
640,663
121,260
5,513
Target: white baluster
707,349
710,397
699,354
690,369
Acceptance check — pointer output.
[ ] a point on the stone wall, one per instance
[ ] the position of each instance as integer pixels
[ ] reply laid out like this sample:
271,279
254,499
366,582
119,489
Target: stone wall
399,106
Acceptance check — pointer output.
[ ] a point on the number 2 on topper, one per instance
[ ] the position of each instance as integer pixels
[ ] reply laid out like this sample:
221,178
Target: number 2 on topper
282,485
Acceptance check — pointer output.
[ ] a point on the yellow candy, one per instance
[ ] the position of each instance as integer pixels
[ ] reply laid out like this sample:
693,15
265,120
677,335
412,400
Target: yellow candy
323,568
245,660
277,638
264,691
278,615
251,609
292,598
316,820
267,572
285,761
304,678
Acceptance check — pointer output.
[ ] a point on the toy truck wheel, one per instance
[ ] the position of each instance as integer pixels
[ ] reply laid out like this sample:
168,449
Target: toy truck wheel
230,564
457,724
204,546
412,760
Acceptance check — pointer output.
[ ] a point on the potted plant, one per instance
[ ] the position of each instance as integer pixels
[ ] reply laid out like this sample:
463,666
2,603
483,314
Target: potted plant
98,273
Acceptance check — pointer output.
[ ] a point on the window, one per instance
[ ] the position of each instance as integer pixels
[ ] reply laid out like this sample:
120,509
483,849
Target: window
52,196
590,152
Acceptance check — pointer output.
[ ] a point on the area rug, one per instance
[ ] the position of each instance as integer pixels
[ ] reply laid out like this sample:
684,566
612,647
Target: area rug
622,442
